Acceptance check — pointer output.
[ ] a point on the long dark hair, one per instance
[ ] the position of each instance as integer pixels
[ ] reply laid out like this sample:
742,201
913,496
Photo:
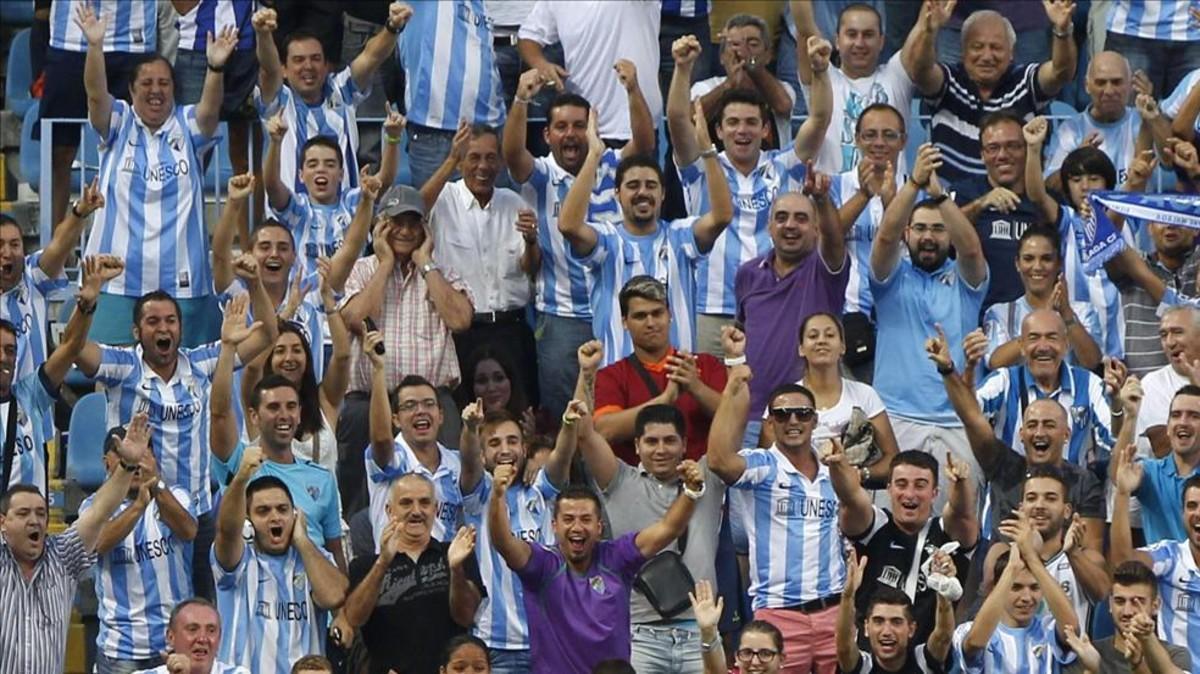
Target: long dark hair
310,395
466,391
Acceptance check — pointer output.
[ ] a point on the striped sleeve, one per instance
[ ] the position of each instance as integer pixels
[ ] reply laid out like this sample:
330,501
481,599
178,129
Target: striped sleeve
992,392
196,136
759,467
1162,557
347,88
116,364
73,556
996,329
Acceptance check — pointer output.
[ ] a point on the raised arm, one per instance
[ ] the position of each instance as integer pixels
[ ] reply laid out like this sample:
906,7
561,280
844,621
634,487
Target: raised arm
337,368
270,69
938,644
886,250
95,78
262,337
845,630
979,431
517,156
66,232
464,596
960,515
239,189
573,214
458,149
96,271
1028,541
708,606
641,123
1054,74
328,583
228,545
469,451
135,444
381,45
811,133
919,55
369,300
576,421
1087,557
651,540
343,260
729,425
218,50
389,150
1153,121
710,225
1128,477
452,305
1035,186
806,26
516,552
1184,124
597,454
832,237
685,51
992,611
279,195
856,512
224,428
360,603
383,435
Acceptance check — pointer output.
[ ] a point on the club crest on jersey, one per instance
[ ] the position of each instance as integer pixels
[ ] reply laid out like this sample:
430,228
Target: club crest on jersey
1039,651
891,576
299,579
176,142
597,583
1078,413
314,491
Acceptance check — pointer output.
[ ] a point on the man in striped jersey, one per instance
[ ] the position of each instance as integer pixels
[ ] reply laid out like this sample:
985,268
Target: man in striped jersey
754,177
314,101
500,620
642,243
143,567
152,178
1159,38
563,291
1011,634
39,573
273,593
193,640
790,513
1176,563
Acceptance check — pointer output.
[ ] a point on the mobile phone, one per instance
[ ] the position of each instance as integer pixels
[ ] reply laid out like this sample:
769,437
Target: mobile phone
374,328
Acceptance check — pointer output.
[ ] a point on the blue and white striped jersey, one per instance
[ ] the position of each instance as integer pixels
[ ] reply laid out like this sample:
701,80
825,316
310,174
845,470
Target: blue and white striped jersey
500,620
312,488
1117,140
1033,649
450,65
211,16
563,284
154,204
859,239
1096,288
1081,394
139,581
1170,107
217,668
318,229
1179,589
24,305
685,8
797,551
34,398
1002,323
132,25
746,237
335,116
1154,20
178,410
670,255
269,618
445,488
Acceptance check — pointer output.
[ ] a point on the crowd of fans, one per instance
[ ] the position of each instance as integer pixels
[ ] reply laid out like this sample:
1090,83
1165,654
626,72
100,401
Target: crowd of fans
794,399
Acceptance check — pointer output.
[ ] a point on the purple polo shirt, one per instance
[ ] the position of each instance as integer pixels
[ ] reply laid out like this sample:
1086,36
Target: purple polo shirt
772,310
578,620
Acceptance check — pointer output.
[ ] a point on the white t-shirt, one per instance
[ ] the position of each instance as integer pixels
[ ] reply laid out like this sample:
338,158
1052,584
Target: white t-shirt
889,84
595,34
1158,388
831,421
783,122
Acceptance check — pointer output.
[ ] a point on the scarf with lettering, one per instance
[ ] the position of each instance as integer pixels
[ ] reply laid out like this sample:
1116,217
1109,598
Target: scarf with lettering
1100,239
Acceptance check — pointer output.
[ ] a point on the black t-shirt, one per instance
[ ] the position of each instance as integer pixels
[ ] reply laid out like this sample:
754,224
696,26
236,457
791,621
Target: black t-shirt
1007,472
999,233
890,552
918,661
411,621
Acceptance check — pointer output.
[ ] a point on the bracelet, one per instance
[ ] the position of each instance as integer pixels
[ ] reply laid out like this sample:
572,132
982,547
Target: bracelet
75,211
709,646
394,31
330,312
740,360
945,371
694,494
129,468
1061,35
216,69
522,101
392,140
1118,412
710,152
566,421
87,309
864,474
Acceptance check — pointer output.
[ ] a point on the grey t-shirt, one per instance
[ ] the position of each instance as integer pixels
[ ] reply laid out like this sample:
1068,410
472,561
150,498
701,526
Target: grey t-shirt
1113,661
635,499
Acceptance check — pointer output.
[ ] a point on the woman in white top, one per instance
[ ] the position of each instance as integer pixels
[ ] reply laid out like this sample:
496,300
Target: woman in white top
291,356
822,345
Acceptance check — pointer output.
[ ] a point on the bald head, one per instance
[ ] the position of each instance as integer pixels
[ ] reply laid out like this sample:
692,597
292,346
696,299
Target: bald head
1044,346
1041,321
1109,83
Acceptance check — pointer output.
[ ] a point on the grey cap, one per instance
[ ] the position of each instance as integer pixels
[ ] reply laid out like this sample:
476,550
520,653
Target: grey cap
401,199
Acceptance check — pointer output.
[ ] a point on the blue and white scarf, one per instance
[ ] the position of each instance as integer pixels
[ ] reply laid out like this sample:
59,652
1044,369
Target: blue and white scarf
1100,239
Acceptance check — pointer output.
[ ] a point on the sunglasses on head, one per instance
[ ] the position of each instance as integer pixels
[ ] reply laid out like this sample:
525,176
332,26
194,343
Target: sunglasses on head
782,414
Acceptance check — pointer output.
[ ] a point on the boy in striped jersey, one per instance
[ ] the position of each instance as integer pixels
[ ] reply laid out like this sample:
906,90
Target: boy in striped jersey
642,243
144,565
193,639
1009,635
273,593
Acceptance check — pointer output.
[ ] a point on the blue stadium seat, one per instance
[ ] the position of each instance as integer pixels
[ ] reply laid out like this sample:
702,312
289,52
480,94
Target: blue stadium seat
19,75
16,12
917,132
85,442
29,167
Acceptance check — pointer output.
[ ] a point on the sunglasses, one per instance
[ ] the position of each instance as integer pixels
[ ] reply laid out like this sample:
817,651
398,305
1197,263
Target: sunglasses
782,414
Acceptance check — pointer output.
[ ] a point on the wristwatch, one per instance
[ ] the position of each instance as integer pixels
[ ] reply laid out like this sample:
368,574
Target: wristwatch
426,268
156,488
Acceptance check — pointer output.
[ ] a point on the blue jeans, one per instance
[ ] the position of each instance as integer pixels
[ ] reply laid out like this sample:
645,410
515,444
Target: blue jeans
558,340
671,648
511,662
427,149
107,665
200,320
1165,62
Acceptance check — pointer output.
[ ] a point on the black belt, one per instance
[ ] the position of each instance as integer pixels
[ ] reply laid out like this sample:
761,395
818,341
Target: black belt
505,40
816,604
509,316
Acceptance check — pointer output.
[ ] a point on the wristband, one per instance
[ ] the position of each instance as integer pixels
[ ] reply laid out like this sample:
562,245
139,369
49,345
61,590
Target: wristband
522,101
87,309
1061,35
693,494
390,29
566,421
129,468
216,69
709,646
710,152
944,371
392,140
740,360
1118,412
75,211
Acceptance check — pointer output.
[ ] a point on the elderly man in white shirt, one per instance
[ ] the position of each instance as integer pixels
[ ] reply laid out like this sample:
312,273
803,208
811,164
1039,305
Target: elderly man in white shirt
488,235
1179,330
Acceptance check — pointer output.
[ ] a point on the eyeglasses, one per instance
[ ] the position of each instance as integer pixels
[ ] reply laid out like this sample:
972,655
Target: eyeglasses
890,135
412,405
763,654
782,414
1013,147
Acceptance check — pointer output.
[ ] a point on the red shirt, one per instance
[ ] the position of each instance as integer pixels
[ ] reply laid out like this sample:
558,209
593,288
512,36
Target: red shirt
620,387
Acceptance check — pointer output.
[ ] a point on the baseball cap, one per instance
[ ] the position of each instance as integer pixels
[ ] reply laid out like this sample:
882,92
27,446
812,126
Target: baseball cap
401,199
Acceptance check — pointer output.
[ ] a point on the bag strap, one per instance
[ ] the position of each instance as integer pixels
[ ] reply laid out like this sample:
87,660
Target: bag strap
1024,390
10,442
683,537
640,369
